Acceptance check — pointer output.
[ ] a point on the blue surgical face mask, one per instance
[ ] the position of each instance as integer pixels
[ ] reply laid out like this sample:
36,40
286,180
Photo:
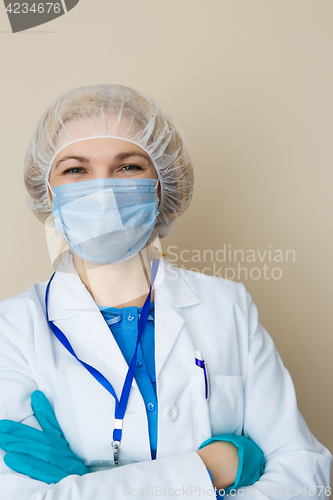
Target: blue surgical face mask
106,221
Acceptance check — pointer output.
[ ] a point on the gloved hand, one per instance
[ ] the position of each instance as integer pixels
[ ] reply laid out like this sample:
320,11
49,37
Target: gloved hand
44,456
251,459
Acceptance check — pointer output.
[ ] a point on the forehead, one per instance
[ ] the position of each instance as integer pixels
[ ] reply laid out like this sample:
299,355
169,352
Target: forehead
96,126
100,147
86,135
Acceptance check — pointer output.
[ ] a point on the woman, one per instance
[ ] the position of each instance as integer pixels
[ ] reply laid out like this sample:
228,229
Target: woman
186,364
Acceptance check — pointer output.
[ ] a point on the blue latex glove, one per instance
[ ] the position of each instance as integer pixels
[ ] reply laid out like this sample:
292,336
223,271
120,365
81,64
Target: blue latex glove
251,459
44,456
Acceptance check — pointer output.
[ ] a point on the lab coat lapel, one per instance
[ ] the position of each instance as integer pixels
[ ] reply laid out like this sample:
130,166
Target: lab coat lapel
74,311
172,293
95,334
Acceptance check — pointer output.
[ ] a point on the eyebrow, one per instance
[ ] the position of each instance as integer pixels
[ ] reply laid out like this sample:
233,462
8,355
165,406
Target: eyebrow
83,159
122,156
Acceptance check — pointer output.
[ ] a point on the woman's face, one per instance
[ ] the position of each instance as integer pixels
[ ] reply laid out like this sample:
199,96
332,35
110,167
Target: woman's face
103,158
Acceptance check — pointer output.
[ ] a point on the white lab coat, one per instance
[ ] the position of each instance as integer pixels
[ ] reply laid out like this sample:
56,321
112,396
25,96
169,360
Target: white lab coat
251,392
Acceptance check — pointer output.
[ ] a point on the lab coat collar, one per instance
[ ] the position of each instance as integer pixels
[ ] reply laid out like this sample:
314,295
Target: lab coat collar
69,297
173,287
75,312
172,293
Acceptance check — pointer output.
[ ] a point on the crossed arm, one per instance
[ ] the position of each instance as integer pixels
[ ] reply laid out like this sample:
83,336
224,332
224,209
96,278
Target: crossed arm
45,454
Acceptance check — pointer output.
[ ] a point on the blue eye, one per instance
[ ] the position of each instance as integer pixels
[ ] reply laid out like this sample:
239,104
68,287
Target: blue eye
74,170
130,166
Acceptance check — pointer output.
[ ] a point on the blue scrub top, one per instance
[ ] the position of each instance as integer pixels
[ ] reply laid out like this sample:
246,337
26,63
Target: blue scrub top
123,324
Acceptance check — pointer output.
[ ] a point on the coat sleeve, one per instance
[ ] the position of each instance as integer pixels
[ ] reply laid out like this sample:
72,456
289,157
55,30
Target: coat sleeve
296,463
178,476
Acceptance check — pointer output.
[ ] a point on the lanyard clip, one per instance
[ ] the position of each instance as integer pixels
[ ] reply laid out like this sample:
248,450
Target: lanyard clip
116,446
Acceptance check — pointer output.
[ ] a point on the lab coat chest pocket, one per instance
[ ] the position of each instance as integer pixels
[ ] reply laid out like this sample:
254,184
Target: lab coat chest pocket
226,404
202,428
223,412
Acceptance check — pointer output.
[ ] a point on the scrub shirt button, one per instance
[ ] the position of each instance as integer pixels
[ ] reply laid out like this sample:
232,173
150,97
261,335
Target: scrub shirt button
130,317
172,413
138,364
150,407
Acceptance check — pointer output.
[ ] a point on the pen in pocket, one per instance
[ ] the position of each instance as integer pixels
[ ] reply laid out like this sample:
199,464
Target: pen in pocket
199,361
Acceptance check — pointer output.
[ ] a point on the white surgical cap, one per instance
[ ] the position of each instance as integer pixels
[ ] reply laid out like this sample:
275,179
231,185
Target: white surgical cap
113,111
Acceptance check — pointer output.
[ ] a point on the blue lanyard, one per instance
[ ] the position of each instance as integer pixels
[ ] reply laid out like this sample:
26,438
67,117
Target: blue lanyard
120,405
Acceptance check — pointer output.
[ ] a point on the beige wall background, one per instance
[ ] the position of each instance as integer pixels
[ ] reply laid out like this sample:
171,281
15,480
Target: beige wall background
250,83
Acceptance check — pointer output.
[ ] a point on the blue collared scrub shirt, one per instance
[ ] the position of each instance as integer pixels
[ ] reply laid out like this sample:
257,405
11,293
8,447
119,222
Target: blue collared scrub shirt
123,324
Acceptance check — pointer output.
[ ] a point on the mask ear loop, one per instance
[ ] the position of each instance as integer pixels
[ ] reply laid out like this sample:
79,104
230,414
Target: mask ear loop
50,188
158,184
